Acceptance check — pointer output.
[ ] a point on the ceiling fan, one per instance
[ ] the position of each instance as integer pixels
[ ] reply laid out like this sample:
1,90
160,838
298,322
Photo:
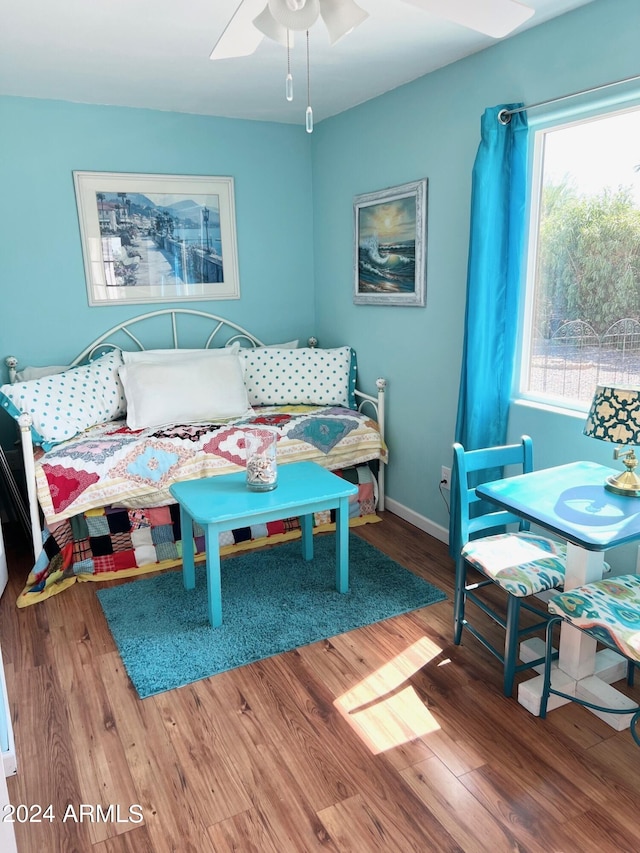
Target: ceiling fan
278,19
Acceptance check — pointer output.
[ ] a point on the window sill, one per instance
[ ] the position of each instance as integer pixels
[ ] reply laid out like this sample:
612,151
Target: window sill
576,414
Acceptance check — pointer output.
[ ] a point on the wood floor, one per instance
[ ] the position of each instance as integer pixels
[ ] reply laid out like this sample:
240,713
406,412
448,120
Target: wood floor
388,738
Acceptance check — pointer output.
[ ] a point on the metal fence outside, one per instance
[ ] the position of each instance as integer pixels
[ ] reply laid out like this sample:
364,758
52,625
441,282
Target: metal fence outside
575,358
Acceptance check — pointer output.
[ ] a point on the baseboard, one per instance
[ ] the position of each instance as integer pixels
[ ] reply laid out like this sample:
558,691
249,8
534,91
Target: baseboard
419,521
9,764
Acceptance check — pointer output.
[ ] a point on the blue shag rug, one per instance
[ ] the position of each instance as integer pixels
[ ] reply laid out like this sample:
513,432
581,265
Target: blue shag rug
272,601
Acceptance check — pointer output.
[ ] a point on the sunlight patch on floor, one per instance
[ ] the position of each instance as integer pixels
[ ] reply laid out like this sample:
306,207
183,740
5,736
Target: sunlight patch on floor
381,710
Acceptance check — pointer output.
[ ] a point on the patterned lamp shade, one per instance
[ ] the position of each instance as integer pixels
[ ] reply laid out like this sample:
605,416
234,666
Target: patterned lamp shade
614,415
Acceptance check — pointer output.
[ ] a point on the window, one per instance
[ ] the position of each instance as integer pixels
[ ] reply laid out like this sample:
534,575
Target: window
582,320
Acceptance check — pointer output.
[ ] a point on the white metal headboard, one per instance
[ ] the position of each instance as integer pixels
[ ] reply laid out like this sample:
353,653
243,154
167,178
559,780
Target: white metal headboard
213,331
222,333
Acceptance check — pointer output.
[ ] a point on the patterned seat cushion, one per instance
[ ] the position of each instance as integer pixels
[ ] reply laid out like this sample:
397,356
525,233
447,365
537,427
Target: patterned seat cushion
607,609
521,563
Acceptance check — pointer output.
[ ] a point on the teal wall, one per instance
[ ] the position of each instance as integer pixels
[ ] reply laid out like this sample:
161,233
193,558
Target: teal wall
294,206
430,128
45,314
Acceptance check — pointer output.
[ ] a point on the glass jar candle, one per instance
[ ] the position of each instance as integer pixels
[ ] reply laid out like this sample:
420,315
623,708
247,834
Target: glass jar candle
262,467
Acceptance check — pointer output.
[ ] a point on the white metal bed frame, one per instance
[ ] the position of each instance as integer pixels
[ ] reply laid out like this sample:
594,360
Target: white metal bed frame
224,333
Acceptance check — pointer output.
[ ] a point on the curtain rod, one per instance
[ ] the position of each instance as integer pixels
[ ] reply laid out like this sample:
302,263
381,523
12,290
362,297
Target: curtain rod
504,116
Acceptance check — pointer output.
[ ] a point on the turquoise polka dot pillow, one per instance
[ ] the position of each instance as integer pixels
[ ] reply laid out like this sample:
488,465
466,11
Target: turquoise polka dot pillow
305,376
63,405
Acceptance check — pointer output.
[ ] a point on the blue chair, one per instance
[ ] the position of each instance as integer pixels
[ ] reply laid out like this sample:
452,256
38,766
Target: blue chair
520,563
609,611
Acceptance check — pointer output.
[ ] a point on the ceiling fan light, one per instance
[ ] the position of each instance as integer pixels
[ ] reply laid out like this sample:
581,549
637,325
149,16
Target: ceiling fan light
341,17
268,26
295,14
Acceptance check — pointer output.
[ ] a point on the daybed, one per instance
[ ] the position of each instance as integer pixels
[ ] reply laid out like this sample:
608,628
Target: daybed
132,414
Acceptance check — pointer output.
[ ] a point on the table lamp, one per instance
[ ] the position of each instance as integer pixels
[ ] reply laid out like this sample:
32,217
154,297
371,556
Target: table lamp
615,416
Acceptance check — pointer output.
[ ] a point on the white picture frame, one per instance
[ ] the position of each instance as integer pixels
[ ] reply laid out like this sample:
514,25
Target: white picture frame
157,238
390,246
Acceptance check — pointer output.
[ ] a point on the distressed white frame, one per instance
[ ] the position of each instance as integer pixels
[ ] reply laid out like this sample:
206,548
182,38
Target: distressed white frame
87,184
417,189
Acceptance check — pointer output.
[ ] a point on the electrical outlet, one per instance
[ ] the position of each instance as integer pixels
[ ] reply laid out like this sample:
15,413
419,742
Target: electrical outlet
445,477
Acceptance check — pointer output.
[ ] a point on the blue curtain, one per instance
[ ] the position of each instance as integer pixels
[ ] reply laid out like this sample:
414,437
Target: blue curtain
498,195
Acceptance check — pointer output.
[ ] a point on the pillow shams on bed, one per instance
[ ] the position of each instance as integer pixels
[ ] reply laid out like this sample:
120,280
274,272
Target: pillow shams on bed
305,376
155,355
29,373
195,390
289,345
67,403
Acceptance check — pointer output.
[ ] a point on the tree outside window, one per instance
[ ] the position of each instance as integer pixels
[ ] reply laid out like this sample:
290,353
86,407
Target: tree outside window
583,322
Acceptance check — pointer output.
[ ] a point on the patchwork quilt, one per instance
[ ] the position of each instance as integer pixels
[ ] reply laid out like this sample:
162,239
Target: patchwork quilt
105,493
115,542
111,464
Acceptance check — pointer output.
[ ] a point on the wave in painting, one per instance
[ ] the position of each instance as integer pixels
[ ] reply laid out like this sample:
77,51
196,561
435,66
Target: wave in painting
387,267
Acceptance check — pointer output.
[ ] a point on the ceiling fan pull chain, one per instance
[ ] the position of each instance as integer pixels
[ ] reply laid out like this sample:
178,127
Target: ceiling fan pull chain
288,84
309,113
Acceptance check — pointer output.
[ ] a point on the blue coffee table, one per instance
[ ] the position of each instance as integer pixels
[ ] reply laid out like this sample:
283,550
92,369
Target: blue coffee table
224,503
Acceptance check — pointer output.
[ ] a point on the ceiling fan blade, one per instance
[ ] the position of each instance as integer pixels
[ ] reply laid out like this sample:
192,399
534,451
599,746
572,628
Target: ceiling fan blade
496,18
239,37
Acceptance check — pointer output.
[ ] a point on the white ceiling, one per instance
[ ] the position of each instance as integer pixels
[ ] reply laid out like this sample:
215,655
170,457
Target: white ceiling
155,54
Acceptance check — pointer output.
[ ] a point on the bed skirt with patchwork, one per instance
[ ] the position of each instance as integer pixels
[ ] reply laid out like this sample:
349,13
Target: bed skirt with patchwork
113,542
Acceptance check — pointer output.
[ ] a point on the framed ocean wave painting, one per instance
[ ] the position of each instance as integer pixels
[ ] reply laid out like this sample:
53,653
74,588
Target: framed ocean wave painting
391,246
157,238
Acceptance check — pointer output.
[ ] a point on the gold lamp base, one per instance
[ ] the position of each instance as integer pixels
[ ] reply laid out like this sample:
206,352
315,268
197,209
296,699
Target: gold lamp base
627,483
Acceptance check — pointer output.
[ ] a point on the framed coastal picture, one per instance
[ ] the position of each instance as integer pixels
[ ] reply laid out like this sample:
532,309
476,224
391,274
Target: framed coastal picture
157,238
390,265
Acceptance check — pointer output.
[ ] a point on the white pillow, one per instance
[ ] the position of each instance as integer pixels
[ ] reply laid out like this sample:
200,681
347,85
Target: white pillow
195,390
289,345
68,403
305,376
29,373
156,355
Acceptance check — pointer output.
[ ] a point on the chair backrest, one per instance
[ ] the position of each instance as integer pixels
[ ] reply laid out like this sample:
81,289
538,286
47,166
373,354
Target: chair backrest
472,467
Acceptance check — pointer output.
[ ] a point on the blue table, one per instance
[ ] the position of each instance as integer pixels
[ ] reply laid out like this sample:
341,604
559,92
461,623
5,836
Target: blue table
571,502
224,503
